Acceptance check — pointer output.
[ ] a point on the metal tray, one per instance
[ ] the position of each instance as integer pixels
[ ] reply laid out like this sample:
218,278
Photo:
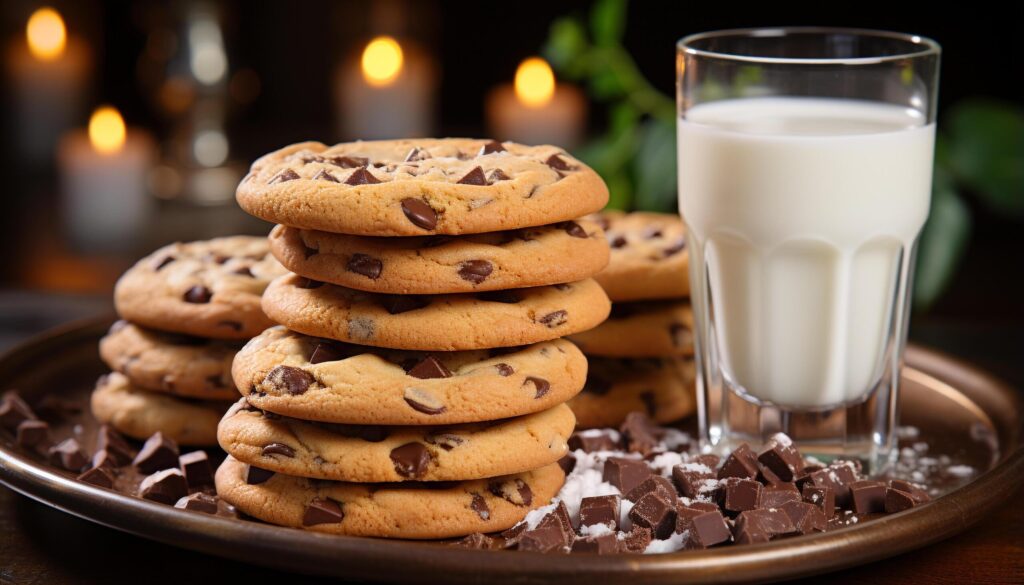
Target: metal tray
949,402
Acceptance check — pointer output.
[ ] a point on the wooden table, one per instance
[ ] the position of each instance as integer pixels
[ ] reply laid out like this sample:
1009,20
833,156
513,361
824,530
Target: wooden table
40,545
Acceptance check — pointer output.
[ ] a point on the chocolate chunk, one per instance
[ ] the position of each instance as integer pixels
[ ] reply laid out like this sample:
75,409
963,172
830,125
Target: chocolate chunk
479,505
278,449
558,163
349,162
491,147
515,491
782,458
742,494
867,496
157,453
493,176
617,242
596,510
196,468
284,176
103,458
680,335
567,463
512,535
308,283
838,477
772,521
574,229
650,404
742,463
429,367
689,481
244,271
555,318
325,175
638,433
157,265
476,541
475,271
365,265
823,497
504,370
423,401
198,294
593,440
547,537
897,501
637,539
417,154
509,297
31,433
655,512
419,213
749,533
474,177
707,529
411,460
68,455
289,379
323,511
604,544
561,514
397,304
806,517
13,411
257,475
167,487
198,502
775,494
655,484
678,246
98,476
625,474
361,176
326,351
917,492
540,386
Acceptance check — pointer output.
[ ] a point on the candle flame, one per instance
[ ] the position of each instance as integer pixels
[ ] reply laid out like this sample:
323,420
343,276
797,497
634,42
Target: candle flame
382,61
46,34
106,130
535,82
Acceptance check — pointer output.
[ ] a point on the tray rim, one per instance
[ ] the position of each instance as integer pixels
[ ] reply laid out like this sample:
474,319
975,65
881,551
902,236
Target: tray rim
296,550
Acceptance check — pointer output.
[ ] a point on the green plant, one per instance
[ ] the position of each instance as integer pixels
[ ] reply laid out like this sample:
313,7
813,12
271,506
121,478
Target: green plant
979,150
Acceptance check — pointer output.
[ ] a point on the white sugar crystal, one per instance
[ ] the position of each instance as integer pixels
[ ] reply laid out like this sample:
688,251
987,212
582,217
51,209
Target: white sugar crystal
670,544
907,432
664,462
674,439
595,433
960,470
595,530
782,439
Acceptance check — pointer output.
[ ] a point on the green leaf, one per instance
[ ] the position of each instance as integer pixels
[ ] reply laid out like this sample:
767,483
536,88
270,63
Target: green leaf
655,167
608,21
620,190
566,45
606,84
986,152
942,245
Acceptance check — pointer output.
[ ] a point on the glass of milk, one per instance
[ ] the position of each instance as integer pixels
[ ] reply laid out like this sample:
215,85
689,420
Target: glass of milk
805,171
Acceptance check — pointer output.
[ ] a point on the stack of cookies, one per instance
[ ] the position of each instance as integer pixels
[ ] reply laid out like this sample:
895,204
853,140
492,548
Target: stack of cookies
186,309
416,387
641,358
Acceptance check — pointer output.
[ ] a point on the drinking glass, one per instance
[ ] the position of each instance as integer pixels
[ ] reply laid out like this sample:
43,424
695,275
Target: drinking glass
805,169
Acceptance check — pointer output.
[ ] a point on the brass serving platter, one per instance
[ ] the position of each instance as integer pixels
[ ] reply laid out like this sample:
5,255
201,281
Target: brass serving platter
950,402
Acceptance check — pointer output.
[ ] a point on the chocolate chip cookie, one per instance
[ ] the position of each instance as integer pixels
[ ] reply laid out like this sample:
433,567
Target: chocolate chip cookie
374,453
414,510
649,259
641,329
435,322
294,375
551,254
663,388
139,413
208,288
419,187
188,366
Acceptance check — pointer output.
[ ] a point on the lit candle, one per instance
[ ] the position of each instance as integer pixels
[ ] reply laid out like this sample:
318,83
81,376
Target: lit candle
537,109
387,93
49,72
103,175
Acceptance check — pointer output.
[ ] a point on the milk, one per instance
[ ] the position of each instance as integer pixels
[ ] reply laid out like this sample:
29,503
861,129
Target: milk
802,217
